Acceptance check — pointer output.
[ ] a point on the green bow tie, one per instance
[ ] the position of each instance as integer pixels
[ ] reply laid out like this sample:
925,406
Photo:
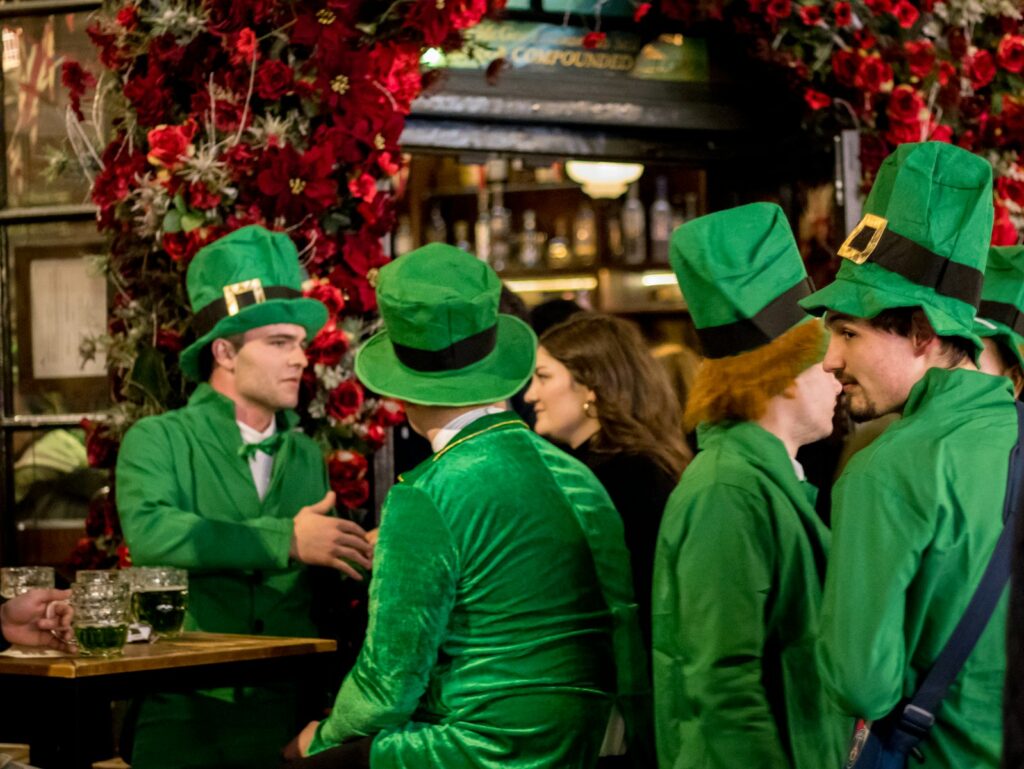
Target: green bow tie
268,446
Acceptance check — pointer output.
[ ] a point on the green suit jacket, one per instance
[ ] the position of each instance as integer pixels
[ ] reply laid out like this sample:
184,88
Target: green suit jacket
501,613
187,499
738,578
916,516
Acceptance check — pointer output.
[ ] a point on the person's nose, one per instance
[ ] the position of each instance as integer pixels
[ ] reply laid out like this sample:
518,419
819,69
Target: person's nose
833,361
299,358
530,396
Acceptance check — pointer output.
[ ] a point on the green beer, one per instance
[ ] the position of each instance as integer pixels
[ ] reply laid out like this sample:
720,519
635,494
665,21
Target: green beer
161,608
101,640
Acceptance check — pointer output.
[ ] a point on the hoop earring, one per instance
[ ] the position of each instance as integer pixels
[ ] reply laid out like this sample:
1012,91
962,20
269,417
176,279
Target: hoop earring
587,406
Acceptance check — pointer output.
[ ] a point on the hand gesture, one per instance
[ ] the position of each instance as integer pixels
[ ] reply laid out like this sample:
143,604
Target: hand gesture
320,539
38,618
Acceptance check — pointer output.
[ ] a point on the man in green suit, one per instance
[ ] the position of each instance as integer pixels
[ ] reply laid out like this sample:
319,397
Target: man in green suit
227,488
916,515
741,552
502,621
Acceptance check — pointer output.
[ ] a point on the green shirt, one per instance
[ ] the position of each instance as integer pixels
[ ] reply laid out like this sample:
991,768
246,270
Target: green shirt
737,588
916,516
187,499
501,612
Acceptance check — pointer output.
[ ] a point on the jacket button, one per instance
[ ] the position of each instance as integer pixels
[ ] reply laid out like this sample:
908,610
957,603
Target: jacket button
257,626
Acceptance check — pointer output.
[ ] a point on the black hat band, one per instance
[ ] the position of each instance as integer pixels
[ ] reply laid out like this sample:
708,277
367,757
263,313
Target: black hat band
872,239
208,317
776,318
463,353
1002,312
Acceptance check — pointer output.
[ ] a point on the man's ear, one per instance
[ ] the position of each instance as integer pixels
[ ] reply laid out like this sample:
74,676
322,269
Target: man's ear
223,353
922,335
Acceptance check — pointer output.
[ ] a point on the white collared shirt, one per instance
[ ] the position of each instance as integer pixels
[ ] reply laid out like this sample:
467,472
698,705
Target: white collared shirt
260,463
799,469
444,436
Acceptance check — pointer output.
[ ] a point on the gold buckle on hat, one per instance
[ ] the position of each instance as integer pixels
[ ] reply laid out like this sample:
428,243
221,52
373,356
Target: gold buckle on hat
235,290
877,225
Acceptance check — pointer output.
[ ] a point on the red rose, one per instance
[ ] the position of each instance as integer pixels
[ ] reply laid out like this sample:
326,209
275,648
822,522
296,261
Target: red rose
345,400
906,105
167,144
331,296
128,17
347,473
947,74
1008,188
594,39
906,14
878,7
374,434
810,15
201,197
243,51
168,340
902,133
980,68
274,79
842,14
873,75
816,99
1010,53
363,187
844,66
389,412
942,133
329,346
641,11
920,57
148,96
778,9
1003,231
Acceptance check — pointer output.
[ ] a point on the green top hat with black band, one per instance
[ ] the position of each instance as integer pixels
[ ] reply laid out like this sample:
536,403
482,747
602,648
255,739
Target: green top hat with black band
1001,313
247,279
444,343
922,242
742,276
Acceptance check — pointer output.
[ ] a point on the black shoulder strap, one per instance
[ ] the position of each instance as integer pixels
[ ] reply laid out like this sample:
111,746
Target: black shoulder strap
919,714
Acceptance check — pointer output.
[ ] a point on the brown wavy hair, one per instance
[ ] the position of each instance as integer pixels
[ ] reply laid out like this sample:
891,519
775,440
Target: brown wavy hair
637,410
740,386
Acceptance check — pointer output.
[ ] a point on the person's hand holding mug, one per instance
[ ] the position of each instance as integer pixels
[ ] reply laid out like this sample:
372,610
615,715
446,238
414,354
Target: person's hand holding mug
38,618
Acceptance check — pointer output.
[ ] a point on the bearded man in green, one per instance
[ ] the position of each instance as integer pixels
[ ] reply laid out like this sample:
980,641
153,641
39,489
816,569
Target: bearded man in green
741,552
502,621
916,515
228,489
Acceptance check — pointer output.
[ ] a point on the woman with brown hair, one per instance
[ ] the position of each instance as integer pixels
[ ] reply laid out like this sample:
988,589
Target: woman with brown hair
598,390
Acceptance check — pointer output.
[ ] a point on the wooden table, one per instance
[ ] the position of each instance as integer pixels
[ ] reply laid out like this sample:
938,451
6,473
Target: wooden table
58,698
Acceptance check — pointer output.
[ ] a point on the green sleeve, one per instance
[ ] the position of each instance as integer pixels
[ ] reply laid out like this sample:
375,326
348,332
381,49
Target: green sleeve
416,569
160,529
723,562
879,534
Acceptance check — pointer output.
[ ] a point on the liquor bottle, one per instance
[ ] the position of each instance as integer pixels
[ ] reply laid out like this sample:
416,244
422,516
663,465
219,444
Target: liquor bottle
616,246
634,228
482,227
661,223
462,235
692,212
501,226
403,242
559,254
530,242
585,236
437,229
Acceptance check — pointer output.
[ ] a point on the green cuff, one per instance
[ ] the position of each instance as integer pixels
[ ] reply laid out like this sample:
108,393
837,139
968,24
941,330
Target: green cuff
319,744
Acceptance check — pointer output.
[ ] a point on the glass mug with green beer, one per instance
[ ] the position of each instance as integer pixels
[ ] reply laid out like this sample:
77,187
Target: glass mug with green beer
101,617
160,598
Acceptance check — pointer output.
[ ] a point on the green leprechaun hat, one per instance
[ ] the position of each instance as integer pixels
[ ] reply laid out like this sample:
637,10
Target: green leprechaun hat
1001,313
444,343
922,242
247,279
742,275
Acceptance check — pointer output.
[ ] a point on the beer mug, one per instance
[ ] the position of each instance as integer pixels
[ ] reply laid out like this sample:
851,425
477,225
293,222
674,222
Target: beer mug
101,616
15,580
160,598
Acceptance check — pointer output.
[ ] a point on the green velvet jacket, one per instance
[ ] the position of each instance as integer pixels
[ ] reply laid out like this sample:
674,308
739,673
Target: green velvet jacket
501,613
738,579
916,516
187,499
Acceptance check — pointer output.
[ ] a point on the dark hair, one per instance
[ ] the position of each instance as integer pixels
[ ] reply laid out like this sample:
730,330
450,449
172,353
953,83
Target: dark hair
637,410
907,321
551,313
206,355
